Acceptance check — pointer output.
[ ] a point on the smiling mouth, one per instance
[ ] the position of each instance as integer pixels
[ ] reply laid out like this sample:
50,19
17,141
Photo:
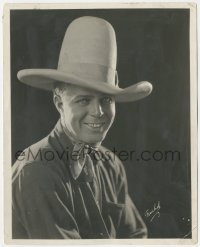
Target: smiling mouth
95,125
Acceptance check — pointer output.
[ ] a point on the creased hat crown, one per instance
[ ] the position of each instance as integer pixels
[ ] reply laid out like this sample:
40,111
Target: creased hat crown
89,50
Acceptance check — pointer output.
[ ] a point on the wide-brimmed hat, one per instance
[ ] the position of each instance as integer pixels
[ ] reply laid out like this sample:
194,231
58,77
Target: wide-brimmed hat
88,58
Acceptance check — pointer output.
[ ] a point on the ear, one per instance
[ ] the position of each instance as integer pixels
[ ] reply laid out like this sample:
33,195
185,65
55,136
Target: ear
57,99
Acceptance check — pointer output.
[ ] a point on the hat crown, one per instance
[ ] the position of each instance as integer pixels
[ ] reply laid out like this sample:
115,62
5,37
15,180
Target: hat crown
89,49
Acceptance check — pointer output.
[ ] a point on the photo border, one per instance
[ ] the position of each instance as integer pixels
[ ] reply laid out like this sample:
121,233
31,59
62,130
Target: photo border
7,120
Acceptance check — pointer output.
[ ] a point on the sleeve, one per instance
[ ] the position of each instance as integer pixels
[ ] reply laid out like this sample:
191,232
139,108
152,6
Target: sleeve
131,224
38,211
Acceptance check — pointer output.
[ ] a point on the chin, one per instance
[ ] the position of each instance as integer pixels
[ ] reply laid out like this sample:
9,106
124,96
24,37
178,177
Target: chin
93,140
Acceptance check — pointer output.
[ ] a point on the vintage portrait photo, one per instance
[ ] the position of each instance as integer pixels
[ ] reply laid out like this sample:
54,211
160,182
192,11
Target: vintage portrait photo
101,123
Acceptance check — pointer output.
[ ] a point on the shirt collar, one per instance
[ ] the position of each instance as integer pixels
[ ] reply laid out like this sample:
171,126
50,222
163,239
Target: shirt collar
74,152
61,143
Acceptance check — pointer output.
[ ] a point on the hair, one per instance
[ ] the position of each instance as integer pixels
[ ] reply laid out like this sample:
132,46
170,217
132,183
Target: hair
59,88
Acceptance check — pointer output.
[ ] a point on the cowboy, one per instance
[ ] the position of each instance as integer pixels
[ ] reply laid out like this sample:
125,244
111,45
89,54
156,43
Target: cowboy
68,186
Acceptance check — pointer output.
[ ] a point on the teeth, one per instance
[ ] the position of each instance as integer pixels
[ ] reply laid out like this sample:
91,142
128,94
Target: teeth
95,125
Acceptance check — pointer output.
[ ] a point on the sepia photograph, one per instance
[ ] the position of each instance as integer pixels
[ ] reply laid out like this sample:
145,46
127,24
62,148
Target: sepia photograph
100,108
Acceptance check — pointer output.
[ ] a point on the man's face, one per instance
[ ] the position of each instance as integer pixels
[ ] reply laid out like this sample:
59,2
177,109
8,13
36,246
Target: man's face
87,114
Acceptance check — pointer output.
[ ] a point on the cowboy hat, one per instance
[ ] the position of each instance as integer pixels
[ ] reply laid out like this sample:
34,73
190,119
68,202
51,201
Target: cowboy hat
88,58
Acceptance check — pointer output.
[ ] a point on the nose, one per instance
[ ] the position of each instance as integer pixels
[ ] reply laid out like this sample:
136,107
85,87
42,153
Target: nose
96,109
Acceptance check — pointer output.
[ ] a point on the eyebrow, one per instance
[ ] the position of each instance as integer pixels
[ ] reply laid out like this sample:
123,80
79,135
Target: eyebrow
82,96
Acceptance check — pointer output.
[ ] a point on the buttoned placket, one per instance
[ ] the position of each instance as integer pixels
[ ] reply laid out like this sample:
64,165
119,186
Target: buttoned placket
95,184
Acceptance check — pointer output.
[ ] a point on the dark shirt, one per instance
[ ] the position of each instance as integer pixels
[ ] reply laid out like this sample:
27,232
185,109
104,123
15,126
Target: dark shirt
48,203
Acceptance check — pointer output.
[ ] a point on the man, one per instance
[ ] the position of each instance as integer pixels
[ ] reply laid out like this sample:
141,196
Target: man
68,185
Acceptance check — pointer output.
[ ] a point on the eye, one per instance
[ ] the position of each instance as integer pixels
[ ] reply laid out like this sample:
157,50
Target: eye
107,100
83,101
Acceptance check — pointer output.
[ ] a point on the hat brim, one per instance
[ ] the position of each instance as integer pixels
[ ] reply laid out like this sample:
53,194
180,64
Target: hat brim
46,78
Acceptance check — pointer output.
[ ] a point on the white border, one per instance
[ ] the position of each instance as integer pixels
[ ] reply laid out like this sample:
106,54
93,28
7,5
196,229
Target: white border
193,79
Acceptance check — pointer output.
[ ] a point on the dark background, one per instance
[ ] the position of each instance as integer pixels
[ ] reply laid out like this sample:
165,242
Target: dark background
153,45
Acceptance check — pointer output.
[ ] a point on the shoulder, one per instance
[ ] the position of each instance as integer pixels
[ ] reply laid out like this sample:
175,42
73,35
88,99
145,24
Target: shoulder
36,162
36,152
33,152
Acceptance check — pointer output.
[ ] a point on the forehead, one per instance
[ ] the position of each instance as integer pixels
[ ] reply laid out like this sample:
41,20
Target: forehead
73,91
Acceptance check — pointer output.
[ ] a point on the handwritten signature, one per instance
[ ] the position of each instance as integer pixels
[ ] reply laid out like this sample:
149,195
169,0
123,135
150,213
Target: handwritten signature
153,212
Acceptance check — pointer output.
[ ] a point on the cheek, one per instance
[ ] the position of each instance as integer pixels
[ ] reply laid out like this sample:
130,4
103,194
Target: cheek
67,115
73,116
110,112
67,112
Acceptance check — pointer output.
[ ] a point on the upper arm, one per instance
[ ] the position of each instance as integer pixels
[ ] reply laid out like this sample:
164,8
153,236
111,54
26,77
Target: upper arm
38,205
